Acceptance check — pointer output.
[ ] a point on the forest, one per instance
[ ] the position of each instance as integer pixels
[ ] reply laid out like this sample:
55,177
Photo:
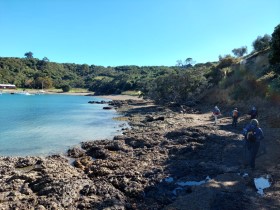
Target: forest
165,84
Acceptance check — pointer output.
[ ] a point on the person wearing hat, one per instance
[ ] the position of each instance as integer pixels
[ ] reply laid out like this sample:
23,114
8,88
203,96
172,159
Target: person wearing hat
235,115
253,113
253,136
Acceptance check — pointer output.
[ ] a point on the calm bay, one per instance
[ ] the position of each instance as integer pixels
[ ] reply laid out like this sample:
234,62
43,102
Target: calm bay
51,123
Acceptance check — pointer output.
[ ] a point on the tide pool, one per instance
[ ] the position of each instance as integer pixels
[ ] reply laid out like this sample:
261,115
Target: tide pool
51,124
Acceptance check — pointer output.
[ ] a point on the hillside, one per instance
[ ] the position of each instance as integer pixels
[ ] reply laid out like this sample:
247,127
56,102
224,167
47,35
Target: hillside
35,73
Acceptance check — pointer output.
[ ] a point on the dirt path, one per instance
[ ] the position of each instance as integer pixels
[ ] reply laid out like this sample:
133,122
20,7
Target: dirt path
265,161
267,164
222,155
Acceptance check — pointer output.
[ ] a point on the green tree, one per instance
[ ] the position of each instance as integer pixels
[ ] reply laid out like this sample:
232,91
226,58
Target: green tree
178,87
65,88
43,82
225,61
28,55
275,46
262,43
189,62
239,52
45,59
179,63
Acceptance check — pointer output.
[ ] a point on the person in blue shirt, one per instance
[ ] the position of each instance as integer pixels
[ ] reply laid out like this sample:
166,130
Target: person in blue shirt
253,113
253,136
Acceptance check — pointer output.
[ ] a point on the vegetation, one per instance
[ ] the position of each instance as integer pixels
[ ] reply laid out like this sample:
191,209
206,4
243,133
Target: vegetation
275,49
239,52
66,88
180,84
28,55
262,43
178,87
37,74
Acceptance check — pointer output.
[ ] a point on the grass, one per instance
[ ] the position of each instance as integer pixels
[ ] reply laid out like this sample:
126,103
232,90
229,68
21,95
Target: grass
131,93
54,90
78,90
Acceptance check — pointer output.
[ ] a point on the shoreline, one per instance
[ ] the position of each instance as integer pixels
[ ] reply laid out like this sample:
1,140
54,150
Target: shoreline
9,91
117,97
147,167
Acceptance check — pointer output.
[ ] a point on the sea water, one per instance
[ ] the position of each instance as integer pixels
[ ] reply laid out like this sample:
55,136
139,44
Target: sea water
51,124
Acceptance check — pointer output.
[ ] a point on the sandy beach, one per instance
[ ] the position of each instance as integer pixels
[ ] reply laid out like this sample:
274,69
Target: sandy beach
112,97
120,97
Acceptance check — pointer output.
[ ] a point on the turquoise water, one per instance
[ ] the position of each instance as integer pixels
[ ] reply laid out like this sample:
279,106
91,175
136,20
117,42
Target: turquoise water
50,124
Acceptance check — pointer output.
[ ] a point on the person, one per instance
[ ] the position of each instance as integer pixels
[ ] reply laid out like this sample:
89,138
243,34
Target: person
235,115
253,113
253,136
216,113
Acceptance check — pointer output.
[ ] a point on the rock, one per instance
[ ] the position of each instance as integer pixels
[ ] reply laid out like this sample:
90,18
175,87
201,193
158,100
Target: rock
24,162
98,153
40,207
107,107
98,102
75,152
83,162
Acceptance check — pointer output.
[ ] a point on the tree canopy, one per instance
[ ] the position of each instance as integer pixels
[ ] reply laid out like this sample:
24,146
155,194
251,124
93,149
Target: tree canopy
262,43
275,46
239,52
28,55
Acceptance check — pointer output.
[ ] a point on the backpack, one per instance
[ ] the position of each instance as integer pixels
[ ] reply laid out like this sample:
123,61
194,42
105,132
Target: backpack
251,136
216,112
254,113
235,113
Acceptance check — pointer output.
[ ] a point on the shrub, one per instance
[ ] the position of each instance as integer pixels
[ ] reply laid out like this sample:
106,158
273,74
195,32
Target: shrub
66,88
262,43
239,52
226,61
274,57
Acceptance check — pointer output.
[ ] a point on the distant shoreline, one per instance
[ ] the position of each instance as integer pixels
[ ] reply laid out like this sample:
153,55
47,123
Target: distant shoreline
120,97
117,97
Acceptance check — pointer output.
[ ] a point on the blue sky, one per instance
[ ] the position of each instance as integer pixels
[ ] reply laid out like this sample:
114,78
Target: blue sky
132,32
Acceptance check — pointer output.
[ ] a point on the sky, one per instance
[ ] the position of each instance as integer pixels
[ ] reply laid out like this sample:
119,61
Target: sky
133,32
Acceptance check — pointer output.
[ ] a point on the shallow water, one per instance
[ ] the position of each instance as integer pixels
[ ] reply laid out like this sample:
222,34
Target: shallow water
49,124
262,183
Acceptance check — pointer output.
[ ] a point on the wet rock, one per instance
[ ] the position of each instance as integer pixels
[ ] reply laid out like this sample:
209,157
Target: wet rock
98,102
152,118
98,153
24,162
108,107
117,146
83,162
75,152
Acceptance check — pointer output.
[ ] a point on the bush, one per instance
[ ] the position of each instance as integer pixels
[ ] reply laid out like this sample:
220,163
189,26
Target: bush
239,52
275,47
226,61
262,43
66,88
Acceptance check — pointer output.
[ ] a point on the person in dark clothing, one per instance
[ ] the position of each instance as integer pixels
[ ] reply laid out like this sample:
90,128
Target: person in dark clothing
253,113
253,136
235,115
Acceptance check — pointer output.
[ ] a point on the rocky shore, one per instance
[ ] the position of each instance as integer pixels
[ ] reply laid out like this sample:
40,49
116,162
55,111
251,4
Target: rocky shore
170,158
